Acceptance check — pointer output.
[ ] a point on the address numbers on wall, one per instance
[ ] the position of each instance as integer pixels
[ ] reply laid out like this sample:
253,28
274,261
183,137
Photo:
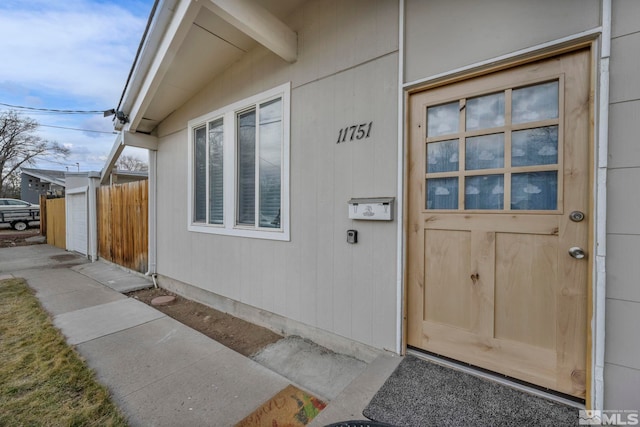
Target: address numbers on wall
354,132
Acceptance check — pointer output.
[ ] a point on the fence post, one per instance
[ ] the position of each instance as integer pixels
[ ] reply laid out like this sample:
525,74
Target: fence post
43,215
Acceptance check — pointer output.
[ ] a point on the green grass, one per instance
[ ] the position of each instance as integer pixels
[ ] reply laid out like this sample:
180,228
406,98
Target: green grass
43,381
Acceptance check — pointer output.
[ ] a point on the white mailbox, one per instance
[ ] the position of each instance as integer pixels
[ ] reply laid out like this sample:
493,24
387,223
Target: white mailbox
375,208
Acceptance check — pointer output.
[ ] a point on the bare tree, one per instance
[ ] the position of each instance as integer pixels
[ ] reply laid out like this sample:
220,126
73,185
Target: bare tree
11,186
131,163
19,146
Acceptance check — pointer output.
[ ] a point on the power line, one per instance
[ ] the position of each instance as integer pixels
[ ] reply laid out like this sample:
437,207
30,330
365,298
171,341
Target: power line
53,110
82,130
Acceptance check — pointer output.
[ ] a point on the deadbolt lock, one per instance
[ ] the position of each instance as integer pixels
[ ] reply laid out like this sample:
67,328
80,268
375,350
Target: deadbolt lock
576,216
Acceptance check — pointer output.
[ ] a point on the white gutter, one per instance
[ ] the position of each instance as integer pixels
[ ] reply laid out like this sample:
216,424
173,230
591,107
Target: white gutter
400,251
599,292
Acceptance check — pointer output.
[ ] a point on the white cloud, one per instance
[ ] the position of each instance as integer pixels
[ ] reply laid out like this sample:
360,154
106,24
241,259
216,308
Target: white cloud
72,54
77,48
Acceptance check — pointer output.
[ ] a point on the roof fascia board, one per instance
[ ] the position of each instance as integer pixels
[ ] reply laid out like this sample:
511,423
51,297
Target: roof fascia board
126,139
116,150
140,140
259,24
164,40
46,178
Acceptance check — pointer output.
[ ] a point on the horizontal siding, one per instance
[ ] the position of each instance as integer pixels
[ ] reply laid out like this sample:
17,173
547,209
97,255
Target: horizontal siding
622,352
624,150
623,346
623,268
625,63
621,387
623,201
624,17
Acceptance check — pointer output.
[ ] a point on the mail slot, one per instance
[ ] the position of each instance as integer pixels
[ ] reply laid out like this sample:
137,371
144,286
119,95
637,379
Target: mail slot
372,209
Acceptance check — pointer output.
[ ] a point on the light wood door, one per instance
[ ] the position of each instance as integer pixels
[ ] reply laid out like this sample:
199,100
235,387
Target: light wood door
497,166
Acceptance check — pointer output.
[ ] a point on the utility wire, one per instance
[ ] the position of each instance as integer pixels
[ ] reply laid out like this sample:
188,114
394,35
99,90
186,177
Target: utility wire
82,130
52,110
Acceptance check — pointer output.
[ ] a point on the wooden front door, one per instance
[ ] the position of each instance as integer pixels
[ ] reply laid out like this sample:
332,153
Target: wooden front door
498,197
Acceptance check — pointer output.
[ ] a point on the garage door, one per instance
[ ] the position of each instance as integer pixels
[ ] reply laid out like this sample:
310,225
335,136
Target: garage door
77,222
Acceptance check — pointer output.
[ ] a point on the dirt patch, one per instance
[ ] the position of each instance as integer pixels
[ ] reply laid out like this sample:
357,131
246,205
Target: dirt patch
237,334
10,238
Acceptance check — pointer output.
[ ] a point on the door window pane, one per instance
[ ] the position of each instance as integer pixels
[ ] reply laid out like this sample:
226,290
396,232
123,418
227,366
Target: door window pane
443,119
485,112
200,175
484,192
533,103
246,167
270,163
216,198
442,156
485,152
538,146
534,191
442,193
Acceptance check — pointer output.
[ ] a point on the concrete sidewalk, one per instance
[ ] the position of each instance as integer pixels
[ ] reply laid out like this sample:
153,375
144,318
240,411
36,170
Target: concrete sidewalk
159,371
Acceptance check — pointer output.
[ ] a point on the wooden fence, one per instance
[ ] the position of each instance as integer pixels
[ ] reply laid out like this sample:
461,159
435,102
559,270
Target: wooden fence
123,224
53,222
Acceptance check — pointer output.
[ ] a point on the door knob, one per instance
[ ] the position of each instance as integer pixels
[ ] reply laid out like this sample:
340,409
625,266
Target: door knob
576,216
576,252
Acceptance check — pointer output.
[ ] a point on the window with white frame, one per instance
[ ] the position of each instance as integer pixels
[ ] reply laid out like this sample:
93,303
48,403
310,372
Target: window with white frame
239,168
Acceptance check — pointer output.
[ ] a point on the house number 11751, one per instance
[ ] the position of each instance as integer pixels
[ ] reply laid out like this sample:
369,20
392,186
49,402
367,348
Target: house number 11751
354,132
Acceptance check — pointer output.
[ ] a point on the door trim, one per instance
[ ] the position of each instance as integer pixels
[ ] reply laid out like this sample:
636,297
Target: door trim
588,39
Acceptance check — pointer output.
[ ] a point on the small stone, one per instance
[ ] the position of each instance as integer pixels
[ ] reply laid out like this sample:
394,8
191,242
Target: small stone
163,300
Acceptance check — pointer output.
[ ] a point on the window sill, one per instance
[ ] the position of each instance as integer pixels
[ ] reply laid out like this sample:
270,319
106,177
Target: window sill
280,235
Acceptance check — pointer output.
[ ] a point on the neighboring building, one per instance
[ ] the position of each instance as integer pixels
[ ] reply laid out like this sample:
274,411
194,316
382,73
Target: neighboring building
501,136
82,209
81,213
37,182
123,176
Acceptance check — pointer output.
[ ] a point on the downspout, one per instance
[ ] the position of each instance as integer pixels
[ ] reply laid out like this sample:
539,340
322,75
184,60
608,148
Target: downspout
153,218
400,251
599,297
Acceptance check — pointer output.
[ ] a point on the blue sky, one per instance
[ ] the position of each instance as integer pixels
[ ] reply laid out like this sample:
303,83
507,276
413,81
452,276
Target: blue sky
70,55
